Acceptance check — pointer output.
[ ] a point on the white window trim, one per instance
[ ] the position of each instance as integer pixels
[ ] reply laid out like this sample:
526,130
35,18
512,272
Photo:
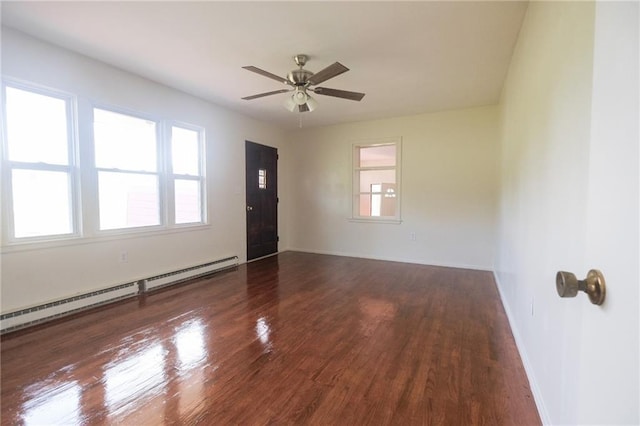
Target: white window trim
201,177
355,193
72,168
83,176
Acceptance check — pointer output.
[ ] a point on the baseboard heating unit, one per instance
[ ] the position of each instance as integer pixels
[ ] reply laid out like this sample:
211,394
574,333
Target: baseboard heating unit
189,273
33,315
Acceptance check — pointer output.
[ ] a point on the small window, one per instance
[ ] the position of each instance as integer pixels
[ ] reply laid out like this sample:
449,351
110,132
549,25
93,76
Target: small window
39,163
262,179
376,181
188,179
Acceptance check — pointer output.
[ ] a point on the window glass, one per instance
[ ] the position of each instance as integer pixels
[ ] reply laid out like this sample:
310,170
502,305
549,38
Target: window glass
371,177
185,151
36,127
124,142
41,203
128,200
378,156
375,181
187,205
262,178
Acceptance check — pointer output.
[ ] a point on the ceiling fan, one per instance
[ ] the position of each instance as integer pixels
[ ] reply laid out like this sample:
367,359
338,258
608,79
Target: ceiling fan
301,81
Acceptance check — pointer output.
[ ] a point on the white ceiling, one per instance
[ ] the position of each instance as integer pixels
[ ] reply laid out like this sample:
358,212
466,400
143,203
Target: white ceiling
408,57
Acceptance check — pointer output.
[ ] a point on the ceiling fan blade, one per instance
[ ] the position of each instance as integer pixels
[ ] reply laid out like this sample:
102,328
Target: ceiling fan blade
260,95
303,108
327,73
345,94
267,74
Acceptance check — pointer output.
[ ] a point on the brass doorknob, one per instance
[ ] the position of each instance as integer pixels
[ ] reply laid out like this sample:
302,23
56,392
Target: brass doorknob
568,285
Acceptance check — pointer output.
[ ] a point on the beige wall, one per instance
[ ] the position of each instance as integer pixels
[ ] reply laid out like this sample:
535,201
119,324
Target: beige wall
33,274
448,190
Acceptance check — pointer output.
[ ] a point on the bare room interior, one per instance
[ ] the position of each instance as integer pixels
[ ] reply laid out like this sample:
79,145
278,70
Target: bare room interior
320,213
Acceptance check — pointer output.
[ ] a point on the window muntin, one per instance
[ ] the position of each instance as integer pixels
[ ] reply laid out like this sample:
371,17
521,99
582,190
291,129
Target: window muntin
376,174
39,182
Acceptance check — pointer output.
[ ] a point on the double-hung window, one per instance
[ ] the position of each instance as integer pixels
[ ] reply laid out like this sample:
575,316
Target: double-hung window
39,164
148,176
126,159
376,181
187,175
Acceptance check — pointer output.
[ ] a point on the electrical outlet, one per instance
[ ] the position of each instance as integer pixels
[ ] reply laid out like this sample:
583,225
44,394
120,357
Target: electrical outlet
412,236
124,257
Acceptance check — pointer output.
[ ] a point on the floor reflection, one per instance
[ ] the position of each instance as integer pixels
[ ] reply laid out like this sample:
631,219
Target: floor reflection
58,404
134,378
189,340
263,331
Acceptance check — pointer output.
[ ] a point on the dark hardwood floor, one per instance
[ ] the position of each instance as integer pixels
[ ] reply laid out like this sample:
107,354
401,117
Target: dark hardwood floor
292,339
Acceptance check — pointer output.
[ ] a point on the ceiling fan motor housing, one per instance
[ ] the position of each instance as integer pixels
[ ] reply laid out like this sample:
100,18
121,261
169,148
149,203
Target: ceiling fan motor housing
299,77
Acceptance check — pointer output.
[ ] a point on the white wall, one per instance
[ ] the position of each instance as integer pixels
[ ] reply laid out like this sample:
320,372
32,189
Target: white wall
579,374
610,336
449,190
38,273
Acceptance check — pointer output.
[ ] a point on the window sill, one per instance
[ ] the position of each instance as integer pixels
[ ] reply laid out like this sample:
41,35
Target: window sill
367,220
104,236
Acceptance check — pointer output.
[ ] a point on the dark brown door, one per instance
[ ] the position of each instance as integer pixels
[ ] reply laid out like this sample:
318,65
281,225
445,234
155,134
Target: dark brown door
262,200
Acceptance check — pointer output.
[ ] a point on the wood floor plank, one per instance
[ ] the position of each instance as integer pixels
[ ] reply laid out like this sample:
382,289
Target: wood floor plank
292,339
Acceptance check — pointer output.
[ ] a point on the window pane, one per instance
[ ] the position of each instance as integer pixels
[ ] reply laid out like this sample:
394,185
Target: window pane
187,201
36,127
378,156
262,179
128,200
41,203
185,151
372,177
377,205
124,142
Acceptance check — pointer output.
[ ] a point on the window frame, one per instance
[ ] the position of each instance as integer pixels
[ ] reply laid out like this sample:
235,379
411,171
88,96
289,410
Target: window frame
160,171
164,173
172,177
72,168
355,179
82,174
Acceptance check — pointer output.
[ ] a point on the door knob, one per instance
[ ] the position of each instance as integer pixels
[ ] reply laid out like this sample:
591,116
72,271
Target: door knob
568,285
249,208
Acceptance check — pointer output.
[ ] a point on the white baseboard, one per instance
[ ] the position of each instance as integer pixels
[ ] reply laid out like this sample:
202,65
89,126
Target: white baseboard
528,368
394,259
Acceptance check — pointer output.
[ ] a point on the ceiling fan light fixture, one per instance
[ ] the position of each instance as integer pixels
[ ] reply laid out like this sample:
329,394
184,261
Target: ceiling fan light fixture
300,97
289,104
311,103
